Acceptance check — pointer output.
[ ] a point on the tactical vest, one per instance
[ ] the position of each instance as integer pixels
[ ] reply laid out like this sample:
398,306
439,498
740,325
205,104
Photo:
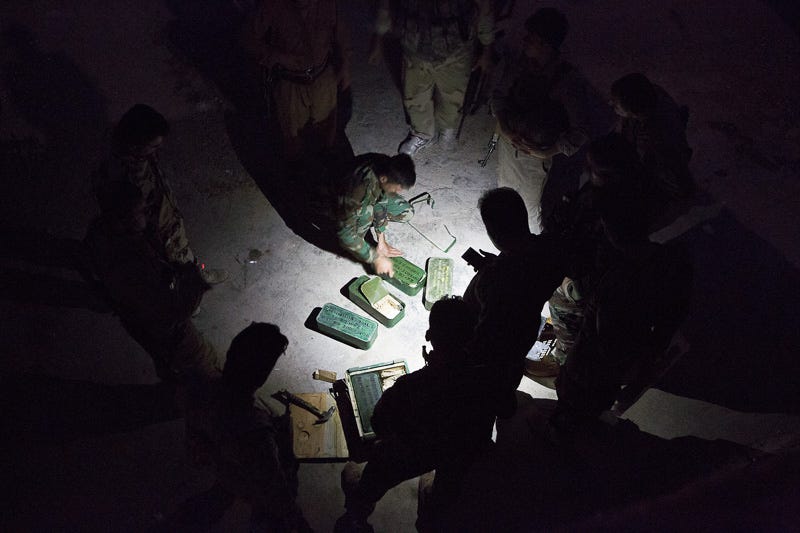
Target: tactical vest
434,29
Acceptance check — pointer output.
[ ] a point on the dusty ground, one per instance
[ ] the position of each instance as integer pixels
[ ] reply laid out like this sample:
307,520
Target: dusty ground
81,460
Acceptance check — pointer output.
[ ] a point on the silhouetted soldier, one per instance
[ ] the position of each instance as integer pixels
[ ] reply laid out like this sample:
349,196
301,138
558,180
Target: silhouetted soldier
304,50
249,447
650,120
509,291
641,297
439,417
612,167
153,295
369,198
136,141
528,76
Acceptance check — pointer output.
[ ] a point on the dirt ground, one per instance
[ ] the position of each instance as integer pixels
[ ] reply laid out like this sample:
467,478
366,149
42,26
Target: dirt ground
89,444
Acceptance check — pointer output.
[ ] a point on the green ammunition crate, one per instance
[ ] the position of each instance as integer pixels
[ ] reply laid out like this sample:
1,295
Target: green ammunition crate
366,385
347,326
370,294
439,280
408,277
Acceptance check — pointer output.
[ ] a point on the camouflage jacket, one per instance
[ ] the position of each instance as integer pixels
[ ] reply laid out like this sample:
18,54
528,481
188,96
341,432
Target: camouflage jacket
437,29
164,220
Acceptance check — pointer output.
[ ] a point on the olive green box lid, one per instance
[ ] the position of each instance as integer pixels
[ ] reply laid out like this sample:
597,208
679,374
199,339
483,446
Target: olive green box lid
439,281
408,277
366,291
347,326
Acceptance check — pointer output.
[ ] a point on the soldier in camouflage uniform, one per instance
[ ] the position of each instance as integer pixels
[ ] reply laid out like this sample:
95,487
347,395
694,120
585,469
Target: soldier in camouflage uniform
439,40
369,199
136,140
153,295
613,169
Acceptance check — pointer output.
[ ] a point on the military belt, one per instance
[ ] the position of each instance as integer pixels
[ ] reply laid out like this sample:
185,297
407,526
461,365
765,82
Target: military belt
301,76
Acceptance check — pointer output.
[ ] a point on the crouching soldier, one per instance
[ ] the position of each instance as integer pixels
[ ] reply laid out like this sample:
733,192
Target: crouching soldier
437,418
369,198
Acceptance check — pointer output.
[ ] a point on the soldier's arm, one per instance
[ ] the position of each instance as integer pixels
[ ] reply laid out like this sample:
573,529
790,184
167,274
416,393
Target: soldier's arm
350,238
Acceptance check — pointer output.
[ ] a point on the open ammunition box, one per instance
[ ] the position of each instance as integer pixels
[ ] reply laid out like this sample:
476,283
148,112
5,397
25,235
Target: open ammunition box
371,295
439,280
366,385
408,277
347,326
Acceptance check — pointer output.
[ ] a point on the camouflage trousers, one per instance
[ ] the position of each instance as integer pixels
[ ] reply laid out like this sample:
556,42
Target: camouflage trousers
433,92
566,312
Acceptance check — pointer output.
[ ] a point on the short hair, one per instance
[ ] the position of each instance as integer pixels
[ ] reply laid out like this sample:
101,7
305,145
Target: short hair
635,93
503,212
140,125
550,24
398,169
452,320
252,355
614,159
451,325
542,124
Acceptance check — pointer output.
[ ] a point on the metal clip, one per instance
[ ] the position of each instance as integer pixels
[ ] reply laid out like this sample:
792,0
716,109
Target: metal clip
423,197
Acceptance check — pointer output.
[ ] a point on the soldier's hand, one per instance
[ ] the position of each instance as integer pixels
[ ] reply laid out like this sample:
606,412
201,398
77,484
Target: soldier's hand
383,265
387,250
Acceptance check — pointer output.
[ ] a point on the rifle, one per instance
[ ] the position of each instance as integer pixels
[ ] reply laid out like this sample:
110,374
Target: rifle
471,97
491,146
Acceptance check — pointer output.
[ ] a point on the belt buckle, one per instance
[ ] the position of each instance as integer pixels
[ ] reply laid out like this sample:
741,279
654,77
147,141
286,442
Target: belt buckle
308,73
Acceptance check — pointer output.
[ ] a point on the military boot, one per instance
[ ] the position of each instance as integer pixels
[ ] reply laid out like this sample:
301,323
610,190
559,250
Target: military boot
413,143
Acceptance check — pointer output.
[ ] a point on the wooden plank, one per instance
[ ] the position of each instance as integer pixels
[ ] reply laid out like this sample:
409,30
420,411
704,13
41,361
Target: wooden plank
317,441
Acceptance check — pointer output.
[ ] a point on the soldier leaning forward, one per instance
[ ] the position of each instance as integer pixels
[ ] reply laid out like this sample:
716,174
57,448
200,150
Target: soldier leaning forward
369,198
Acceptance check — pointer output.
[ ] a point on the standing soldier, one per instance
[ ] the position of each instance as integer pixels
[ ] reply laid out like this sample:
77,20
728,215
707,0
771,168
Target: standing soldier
370,198
303,48
649,119
530,77
136,141
439,40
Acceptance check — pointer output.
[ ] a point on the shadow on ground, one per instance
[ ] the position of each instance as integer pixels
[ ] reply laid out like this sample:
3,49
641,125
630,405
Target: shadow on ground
742,327
537,480
207,37
48,410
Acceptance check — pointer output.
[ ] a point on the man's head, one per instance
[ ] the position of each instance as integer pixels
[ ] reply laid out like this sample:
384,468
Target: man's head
633,96
252,356
546,30
395,173
140,131
612,161
505,216
541,125
451,325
